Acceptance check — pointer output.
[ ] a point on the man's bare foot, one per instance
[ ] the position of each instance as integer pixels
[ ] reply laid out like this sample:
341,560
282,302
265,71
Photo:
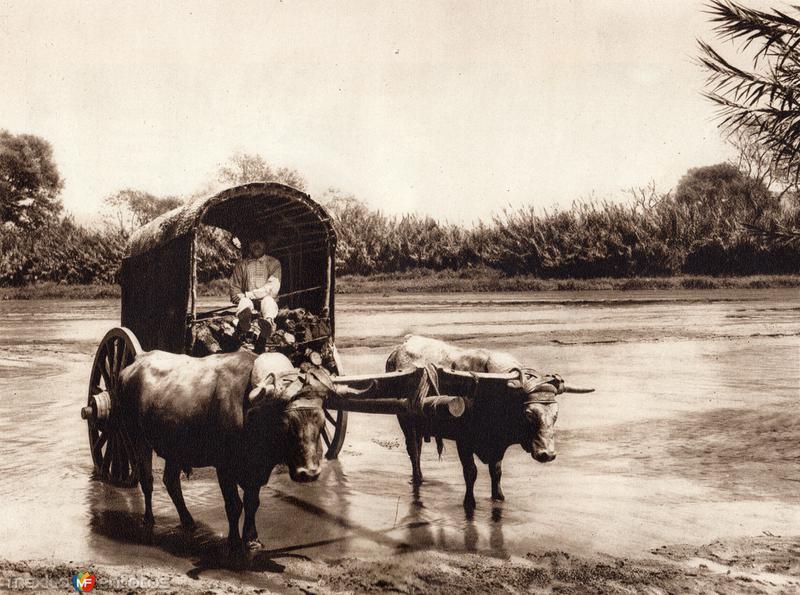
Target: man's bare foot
245,322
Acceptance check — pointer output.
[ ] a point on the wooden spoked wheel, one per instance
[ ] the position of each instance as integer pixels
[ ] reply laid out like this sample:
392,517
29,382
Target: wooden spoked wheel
335,422
112,451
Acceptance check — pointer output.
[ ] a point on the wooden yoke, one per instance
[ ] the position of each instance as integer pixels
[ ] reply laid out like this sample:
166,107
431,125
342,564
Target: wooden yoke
382,394
435,391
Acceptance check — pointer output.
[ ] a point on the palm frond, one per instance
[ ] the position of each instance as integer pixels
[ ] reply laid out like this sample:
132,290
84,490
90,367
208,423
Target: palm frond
772,32
778,236
763,98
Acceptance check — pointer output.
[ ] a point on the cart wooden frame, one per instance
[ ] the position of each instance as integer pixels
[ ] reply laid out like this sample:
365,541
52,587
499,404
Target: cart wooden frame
160,307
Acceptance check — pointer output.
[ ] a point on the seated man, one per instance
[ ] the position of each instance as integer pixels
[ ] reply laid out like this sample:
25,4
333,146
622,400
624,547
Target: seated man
254,285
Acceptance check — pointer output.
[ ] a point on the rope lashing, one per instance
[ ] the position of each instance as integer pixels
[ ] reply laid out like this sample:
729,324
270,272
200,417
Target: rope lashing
311,381
429,380
538,388
291,387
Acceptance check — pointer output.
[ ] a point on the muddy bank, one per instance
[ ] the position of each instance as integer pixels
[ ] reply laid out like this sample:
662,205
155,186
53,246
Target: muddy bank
419,282
754,565
765,564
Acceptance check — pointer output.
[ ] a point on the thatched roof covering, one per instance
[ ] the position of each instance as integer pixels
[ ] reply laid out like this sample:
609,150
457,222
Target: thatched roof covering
259,209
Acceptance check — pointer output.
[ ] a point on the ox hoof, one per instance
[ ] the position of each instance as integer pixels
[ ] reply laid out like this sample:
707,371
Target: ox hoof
498,497
147,531
469,503
188,525
254,545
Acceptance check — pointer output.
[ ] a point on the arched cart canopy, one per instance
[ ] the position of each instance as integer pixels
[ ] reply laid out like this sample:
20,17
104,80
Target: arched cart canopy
256,209
159,283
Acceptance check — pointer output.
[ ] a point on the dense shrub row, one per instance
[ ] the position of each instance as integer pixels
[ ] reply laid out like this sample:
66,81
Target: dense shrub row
585,241
60,251
668,237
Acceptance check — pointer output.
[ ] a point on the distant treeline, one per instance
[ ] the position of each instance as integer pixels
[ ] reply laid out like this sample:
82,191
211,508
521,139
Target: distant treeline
59,251
717,222
587,241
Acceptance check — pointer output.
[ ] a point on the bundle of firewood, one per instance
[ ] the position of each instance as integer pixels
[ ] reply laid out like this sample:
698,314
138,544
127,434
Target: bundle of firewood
304,337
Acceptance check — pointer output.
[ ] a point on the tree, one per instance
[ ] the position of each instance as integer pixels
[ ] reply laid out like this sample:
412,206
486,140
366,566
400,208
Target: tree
764,98
133,208
336,200
754,159
725,191
242,168
647,198
29,181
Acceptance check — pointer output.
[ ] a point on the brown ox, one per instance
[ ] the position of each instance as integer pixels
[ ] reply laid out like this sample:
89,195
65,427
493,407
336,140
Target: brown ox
490,426
240,413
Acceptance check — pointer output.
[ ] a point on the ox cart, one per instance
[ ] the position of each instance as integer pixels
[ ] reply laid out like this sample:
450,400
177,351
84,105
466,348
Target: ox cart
161,311
160,307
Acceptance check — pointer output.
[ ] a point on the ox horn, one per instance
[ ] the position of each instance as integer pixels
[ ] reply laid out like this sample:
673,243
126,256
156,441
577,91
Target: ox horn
534,384
264,388
577,390
341,386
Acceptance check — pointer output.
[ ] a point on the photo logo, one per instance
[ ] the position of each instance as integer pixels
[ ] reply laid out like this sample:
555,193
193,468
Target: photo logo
83,582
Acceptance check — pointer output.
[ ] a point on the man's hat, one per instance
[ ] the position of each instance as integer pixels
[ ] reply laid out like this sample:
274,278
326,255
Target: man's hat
271,237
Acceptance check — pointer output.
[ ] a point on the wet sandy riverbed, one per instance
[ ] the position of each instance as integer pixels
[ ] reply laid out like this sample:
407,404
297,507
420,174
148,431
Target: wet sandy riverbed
692,436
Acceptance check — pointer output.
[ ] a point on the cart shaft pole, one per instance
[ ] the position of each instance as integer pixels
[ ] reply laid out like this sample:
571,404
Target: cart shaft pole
440,406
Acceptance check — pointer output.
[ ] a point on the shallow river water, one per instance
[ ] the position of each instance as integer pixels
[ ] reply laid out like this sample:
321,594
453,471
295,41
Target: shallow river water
692,435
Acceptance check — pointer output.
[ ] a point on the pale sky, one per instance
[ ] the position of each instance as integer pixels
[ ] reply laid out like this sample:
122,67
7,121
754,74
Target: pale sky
453,109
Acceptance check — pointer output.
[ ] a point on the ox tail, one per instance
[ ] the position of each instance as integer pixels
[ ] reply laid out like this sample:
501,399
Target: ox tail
439,446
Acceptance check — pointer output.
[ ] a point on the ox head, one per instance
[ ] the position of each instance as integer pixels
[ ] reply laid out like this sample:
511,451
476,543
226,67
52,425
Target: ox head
537,396
292,401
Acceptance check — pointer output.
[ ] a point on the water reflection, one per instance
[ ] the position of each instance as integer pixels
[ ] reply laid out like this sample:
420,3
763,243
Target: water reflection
116,514
471,535
418,532
492,524
429,528
497,542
